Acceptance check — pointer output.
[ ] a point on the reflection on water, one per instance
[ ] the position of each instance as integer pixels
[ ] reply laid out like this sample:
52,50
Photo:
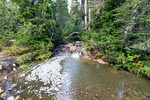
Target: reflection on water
75,78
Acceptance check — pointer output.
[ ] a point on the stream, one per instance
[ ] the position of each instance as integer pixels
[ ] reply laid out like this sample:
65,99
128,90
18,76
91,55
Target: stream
72,76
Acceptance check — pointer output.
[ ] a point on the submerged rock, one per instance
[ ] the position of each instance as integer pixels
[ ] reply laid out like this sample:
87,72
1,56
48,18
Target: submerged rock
3,95
11,98
1,90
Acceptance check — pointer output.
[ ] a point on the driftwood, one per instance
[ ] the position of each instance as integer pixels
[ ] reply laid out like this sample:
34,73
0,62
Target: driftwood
71,34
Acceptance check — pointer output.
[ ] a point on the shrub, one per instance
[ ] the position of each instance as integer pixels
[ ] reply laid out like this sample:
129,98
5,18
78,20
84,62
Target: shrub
26,58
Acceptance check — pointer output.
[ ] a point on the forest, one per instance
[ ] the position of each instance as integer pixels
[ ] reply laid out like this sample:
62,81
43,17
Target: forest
74,49
119,29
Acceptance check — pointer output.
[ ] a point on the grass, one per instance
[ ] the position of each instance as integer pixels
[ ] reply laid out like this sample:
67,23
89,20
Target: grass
14,50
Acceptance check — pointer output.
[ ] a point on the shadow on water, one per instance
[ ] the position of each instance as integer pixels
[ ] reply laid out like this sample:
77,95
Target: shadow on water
73,78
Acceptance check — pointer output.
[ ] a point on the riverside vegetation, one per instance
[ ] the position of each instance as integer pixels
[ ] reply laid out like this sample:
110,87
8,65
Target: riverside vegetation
31,29
120,29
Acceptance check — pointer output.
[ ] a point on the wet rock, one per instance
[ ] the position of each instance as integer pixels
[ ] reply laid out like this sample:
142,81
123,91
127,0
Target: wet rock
11,98
86,93
73,48
127,98
112,96
101,61
81,92
12,86
96,95
78,42
135,93
1,90
143,96
84,52
1,67
8,63
14,69
19,92
63,49
5,77
94,98
4,95
17,98
29,98
147,94
14,65
68,45
125,94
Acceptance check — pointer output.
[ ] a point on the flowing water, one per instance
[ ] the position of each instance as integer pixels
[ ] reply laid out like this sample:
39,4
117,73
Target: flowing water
69,77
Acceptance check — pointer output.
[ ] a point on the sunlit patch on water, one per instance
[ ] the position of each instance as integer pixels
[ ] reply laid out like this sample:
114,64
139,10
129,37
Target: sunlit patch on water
97,66
48,76
121,90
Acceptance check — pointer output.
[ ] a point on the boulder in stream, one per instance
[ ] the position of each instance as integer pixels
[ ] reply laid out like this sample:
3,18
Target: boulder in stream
73,48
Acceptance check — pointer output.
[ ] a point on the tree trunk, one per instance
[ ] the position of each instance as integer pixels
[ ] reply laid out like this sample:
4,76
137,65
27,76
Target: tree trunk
89,17
4,11
85,8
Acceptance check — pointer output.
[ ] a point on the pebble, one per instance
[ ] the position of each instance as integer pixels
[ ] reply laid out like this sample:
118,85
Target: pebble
11,98
4,95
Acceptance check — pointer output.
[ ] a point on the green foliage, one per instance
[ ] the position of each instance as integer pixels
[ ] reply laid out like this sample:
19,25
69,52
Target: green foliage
26,58
45,56
121,31
62,13
29,29
88,46
73,24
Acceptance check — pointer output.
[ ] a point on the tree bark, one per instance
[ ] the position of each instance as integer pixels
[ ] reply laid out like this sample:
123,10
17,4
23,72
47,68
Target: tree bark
4,11
89,17
85,8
